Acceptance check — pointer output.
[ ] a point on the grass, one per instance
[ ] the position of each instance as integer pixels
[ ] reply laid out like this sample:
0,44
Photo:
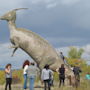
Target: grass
85,85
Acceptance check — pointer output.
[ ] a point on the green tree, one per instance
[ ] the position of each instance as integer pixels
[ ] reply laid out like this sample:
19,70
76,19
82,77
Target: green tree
75,53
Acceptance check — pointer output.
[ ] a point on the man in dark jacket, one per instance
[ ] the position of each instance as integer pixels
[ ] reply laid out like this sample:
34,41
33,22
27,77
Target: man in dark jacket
77,72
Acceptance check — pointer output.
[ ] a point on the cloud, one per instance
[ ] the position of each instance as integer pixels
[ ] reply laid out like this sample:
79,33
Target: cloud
10,4
65,41
51,5
53,2
69,2
45,3
87,49
42,1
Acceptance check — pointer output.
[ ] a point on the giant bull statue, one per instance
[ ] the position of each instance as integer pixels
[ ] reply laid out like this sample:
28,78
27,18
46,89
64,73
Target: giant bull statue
35,46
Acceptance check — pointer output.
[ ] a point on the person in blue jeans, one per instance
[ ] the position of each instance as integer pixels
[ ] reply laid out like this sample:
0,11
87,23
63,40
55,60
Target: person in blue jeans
31,74
25,68
32,80
25,82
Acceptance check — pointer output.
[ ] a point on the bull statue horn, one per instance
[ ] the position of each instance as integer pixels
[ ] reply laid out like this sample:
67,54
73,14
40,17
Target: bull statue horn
19,9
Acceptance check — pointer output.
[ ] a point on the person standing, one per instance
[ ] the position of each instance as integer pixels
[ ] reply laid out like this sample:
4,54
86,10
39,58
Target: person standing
64,59
31,74
45,77
61,75
25,68
51,77
62,56
77,72
8,73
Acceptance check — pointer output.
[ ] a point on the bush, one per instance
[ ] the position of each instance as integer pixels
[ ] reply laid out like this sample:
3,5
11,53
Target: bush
74,53
80,62
17,76
2,77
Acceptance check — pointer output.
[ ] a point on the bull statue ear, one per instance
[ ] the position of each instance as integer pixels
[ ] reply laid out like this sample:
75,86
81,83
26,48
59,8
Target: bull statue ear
19,9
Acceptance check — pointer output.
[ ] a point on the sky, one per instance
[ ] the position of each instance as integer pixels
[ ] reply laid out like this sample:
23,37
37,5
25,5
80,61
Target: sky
63,23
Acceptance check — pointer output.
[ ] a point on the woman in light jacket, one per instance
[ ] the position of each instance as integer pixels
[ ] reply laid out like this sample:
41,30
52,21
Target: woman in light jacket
45,76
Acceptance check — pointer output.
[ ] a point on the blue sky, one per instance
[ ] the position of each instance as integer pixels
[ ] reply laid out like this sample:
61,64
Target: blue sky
63,23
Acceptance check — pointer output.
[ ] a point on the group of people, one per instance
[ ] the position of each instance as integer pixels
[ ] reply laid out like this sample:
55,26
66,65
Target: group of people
30,71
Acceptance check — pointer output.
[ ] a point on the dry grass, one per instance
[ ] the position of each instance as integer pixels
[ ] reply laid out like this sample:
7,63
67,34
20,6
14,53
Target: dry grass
85,85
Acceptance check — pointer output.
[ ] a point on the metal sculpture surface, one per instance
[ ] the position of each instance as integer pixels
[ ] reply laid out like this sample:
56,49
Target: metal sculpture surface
34,45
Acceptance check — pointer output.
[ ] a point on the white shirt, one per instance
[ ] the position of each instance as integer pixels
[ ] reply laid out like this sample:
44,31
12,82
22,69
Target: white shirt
45,74
25,69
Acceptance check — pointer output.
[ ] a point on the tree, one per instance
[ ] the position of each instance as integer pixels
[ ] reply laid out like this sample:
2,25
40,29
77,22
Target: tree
75,53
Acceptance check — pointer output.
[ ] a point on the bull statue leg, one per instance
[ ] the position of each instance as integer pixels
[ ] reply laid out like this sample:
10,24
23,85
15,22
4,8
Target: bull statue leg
14,52
16,46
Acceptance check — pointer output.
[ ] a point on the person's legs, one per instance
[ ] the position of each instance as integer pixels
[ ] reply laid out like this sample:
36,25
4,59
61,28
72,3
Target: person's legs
32,83
25,81
77,80
6,84
60,81
10,82
49,86
63,81
52,82
45,85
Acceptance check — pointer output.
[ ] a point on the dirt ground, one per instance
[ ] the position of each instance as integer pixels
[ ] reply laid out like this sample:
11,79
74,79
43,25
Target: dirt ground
19,87
83,86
